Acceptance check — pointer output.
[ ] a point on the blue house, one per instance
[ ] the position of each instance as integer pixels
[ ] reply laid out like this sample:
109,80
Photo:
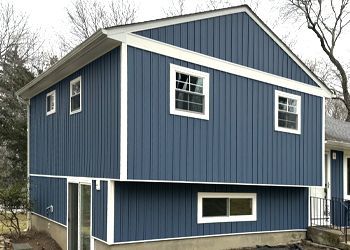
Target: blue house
202,131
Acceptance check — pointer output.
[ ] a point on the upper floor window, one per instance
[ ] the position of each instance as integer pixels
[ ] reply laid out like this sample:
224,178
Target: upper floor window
51,102
189,92
287,112
75,95
226,207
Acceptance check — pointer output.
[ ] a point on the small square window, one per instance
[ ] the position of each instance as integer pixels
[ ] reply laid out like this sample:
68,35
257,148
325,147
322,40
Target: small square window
75,96
189,92
226,207
287,112
51,103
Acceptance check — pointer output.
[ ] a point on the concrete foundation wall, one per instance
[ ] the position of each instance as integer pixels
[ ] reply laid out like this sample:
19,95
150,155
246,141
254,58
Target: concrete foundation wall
212,243
59,234
56,231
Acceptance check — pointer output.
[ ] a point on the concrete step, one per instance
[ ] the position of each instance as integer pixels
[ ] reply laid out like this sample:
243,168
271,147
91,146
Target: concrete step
329,237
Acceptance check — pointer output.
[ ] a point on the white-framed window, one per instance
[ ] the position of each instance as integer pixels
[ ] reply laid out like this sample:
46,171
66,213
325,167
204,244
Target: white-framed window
226,207
51,102
287,112
75,96
189,92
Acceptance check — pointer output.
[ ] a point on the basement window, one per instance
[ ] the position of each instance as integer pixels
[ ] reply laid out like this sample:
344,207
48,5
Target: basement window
287,112
51,102
75,95
189,92
226,207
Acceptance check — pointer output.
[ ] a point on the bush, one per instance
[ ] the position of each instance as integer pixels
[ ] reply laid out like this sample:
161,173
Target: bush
13,202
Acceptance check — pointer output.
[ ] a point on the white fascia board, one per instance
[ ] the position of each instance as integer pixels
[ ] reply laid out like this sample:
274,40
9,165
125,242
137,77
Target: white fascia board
216,63
215,13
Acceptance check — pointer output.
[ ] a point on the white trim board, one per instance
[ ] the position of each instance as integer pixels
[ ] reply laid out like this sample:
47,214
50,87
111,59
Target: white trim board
216,63
215,13
110,211
123,167
184,182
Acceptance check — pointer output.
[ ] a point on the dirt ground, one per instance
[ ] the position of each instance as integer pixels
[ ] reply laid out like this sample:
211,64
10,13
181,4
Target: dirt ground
38,240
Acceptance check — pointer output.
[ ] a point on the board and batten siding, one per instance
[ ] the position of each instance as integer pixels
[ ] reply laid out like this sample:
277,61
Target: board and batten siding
337,174
99,210
238,144
145,211
45,192
235,38
86,143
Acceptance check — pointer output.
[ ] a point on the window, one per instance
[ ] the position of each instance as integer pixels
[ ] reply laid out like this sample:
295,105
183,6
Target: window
189,92
51,103
226,207
75,96
287,112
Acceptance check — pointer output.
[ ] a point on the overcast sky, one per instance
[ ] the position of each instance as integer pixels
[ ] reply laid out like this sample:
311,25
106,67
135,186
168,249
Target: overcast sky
50,17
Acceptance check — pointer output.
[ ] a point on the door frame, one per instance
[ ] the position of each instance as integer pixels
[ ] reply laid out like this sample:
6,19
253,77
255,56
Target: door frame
80,181
346,155
328,177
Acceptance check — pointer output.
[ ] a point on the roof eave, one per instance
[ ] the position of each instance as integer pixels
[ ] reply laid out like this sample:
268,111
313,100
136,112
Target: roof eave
89,50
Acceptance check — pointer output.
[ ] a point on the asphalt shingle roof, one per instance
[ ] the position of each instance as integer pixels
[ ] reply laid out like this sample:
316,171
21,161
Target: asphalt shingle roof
337,130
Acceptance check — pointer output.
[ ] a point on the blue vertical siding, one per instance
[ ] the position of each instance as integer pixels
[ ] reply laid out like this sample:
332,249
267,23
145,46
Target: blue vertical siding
235,38
337,181
86,143
145,211
238,144
49,191
99,210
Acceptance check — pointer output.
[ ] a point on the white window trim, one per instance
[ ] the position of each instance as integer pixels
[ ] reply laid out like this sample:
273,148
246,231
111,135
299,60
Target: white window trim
236,218
52,93
288,95
176,68
78,79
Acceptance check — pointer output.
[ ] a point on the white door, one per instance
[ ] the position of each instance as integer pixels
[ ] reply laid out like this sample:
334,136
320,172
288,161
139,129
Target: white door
320,199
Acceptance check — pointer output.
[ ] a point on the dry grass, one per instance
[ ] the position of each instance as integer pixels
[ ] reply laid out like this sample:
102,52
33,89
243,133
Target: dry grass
22,221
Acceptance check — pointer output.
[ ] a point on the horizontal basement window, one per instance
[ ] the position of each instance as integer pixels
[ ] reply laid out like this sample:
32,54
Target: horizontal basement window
226,207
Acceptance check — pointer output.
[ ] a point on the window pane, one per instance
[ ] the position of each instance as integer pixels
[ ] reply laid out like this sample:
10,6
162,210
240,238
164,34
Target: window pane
49,103
181,96
282,123
75,102
291,117
292,102
181,105
196,107
76,88
282,100
292,109
292,125
196,80
242,206
196,88
182,85
196,98
182,77
282,107
214,207
282,115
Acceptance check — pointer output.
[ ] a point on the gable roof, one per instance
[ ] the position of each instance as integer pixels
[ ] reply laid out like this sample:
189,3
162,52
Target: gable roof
101,41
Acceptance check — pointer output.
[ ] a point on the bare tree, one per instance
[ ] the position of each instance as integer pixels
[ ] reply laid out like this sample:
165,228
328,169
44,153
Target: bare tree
16,34
87,16
177,8
327,20
218,4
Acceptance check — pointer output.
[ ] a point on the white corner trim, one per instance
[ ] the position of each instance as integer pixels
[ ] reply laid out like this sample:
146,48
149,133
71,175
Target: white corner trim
78,79
53,94
217,64
205,76
110,212
288,95
229,218
123,112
